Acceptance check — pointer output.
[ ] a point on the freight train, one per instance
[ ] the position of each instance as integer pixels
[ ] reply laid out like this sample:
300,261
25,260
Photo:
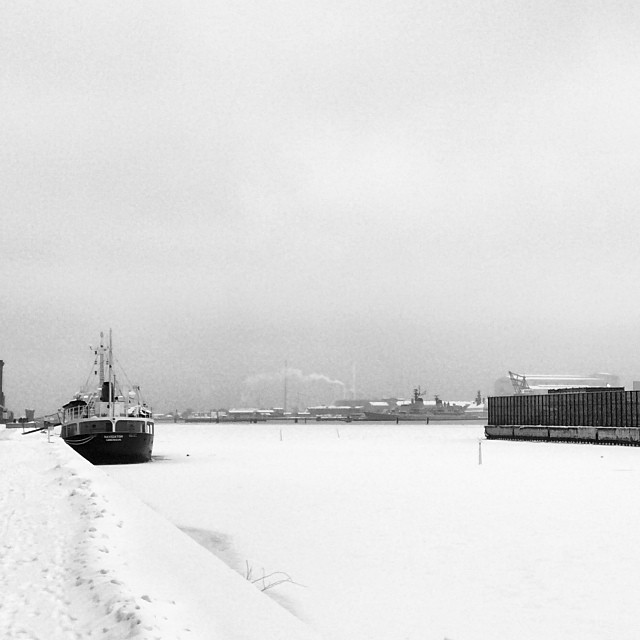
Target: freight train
608,415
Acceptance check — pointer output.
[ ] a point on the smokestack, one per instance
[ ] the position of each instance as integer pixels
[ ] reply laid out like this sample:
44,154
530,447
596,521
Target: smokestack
1,392
353,381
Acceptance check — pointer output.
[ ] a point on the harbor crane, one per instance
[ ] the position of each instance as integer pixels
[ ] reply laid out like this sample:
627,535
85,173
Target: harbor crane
519,382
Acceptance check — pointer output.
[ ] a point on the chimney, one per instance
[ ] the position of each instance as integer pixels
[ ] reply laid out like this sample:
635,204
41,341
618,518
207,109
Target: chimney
1,392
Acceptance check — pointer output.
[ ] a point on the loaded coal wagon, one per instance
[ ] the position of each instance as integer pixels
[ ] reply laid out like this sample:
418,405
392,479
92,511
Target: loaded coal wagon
598,415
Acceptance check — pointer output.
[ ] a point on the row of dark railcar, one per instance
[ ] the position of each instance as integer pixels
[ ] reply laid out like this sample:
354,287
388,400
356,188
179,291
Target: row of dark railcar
602,415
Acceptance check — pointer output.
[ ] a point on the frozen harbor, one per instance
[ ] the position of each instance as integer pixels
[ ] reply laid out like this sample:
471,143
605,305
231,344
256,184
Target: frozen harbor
397,532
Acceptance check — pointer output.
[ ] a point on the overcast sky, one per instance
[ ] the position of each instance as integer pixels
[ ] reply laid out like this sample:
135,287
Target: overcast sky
426,193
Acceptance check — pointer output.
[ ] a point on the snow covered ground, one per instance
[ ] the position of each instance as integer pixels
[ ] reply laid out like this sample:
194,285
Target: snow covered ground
82,558
386,533
397,532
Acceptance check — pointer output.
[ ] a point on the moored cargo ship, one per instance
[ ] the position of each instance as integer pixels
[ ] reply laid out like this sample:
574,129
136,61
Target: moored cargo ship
106,426
605,415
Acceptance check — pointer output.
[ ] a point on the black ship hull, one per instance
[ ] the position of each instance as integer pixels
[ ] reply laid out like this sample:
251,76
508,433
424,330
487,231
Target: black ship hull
113,448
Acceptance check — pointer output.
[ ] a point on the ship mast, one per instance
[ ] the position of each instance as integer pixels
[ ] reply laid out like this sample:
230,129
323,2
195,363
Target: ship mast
111,378
101,363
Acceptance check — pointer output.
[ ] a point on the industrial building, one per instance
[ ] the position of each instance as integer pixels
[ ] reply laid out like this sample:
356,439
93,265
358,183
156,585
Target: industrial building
528,383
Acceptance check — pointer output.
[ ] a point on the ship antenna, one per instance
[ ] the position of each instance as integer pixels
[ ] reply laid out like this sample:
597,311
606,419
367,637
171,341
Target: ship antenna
285,388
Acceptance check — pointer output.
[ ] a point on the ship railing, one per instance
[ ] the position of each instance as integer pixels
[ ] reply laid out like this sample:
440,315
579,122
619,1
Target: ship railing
95,413
75,413
97,409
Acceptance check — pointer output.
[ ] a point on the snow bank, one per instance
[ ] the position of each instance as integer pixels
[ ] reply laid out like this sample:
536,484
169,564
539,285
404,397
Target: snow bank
83,558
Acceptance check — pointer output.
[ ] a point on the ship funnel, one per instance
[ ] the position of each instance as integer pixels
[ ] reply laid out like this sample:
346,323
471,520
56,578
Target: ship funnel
107,392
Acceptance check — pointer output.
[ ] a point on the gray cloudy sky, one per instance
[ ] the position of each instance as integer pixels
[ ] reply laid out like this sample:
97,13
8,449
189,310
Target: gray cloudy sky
434,192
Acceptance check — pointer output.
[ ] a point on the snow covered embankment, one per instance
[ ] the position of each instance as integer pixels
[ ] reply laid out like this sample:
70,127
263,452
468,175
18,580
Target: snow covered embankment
81,558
